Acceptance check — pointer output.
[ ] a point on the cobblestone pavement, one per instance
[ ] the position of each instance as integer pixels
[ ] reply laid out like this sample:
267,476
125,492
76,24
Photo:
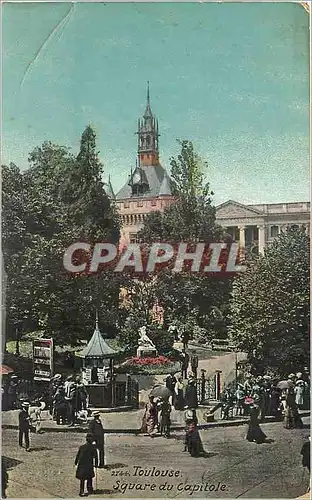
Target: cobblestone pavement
270,470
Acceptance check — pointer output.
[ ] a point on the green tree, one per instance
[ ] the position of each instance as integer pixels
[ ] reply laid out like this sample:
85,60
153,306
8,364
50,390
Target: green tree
188,298
17,236
270,312
91,211
56,202
136,303
191,218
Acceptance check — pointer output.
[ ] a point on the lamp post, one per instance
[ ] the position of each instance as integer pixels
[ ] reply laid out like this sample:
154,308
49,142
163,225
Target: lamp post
236,368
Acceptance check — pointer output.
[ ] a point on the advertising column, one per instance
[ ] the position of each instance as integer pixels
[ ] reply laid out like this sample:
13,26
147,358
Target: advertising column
43,359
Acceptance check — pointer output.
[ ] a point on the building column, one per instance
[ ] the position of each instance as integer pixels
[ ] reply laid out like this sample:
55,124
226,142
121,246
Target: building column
241,236
305,226
261,230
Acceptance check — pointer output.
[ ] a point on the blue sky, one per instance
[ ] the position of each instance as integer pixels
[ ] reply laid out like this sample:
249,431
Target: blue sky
231,77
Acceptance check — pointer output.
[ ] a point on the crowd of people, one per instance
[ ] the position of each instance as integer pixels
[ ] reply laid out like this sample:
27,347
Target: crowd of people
68,400
256,397
280,399
156,420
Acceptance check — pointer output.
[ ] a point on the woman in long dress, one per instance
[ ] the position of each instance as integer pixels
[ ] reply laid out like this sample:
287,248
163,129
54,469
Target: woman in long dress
292,418
255,432
149,421
179,395
193,443
299,393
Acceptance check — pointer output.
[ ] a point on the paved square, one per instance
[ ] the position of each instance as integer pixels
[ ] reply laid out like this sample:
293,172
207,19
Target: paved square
233,468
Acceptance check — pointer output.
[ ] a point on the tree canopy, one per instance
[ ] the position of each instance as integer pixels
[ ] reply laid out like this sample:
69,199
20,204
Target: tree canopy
270,311
191,218
58,200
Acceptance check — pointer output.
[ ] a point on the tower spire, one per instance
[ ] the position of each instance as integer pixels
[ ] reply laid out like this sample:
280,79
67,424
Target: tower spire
96,320
148,111
148,153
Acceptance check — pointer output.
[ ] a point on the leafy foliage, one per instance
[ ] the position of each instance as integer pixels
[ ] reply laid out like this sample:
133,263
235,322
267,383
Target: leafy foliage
90,209
188,299
270,306
59,200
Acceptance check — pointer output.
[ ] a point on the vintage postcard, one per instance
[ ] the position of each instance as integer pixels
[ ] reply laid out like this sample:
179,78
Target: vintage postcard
155,250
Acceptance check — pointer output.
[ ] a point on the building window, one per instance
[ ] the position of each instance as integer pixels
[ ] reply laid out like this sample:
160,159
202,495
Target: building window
153,203
274,231
126,204
133,238
140,203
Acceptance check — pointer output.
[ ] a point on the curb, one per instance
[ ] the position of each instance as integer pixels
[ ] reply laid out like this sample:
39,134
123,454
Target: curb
134,431
209,425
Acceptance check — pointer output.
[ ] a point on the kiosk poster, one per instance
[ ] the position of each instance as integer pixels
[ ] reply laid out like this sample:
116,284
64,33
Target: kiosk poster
156,227
43,359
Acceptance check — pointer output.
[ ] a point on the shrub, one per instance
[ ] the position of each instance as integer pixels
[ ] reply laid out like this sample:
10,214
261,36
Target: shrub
159,360
149,369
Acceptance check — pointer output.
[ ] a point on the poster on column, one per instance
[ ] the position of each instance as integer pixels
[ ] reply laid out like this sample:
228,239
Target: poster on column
156,223
43,359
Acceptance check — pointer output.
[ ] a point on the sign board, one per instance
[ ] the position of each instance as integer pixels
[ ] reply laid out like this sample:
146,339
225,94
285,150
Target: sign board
101,375
43,359
86,376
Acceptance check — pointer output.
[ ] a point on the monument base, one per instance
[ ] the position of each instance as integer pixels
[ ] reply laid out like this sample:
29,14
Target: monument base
178,346
146,352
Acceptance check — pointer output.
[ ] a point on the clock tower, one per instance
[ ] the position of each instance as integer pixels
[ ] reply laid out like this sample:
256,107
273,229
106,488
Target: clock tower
148,147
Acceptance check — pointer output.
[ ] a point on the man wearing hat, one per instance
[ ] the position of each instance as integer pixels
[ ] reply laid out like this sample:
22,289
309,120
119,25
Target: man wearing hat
191,393
12,393
97,432
86,459
24,426
248,384
71,399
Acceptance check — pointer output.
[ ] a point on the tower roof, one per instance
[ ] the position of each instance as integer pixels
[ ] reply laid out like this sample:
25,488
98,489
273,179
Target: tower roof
148,112
97,347
109,188
165,188
154,175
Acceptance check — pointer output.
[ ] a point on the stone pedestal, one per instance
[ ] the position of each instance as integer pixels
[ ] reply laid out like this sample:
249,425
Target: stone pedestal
178,345
146,352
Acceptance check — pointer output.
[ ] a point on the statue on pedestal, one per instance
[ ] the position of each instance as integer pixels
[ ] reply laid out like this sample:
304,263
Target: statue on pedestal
146,346
144,340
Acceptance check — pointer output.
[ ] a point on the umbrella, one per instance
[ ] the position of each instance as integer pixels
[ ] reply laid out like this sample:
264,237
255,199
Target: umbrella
160,391
284,384
5,370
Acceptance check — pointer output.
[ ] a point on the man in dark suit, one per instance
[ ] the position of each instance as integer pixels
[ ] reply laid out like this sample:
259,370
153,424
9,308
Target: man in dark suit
185,359
194,363
86,460
24,426
97,432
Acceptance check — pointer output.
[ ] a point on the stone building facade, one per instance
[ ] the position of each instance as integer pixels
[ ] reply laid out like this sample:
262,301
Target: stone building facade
256,226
